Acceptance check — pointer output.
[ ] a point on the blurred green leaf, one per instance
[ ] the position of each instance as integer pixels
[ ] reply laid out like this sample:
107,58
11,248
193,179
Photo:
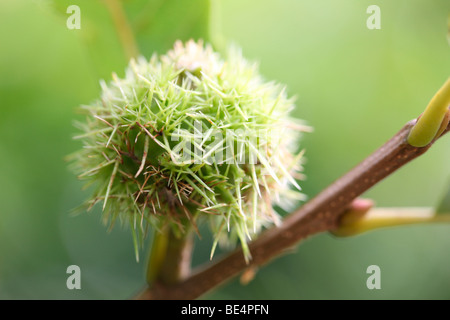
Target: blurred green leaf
158,23
444,205
154,25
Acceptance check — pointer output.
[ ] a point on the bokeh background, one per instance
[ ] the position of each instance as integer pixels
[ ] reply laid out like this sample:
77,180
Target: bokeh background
355,86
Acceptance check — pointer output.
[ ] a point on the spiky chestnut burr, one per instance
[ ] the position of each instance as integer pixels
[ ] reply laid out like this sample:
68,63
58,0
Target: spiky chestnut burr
188,137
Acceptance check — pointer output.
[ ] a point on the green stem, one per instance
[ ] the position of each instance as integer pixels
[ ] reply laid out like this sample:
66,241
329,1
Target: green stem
177,263
170,257
157,254
353,222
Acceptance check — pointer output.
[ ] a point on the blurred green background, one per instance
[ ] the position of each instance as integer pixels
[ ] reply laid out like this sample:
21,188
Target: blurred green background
355,86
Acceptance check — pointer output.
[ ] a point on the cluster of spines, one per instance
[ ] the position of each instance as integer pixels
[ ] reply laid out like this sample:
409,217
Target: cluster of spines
129,150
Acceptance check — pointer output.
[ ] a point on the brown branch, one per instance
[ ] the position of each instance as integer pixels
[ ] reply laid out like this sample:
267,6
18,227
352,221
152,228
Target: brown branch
320,214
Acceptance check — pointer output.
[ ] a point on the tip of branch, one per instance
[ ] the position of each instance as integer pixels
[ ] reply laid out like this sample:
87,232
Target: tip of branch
434,119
